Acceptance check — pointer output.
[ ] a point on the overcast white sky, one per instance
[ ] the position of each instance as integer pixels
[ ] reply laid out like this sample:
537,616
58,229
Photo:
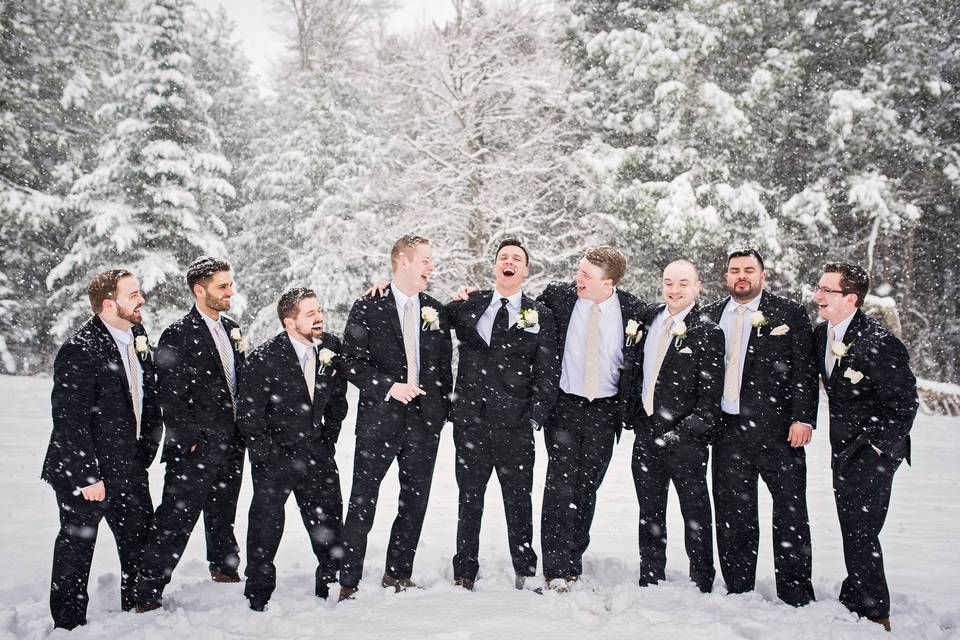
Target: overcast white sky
255,25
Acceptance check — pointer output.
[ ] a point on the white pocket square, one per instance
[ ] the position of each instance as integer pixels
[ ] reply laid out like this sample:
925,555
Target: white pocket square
853,375
686,350
534,329
779,331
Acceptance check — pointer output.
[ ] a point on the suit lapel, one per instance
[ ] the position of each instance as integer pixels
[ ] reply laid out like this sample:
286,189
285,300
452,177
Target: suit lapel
851,337
475,311
751,336
201,327
391,307
110,349
291,365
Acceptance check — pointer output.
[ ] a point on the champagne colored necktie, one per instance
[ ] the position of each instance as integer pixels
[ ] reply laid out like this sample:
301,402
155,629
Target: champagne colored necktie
731,376
591,367
133,377
662,346
310,371
410,342
831,338
220,339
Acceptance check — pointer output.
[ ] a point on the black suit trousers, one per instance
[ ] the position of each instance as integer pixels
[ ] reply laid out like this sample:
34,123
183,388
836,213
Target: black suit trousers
655,464
315,483
415,450
740,457
862,487
128,511
206,482
579,440
480,450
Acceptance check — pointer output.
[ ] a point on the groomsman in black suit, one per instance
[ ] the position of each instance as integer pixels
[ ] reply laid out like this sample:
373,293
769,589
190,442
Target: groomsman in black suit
106,431
506,387
292,401
873,402
592,318
674,405
198,358
769,411
397,351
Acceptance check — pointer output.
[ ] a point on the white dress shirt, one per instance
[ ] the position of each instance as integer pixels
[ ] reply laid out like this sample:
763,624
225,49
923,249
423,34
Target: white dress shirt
611,348
123,340
654,333
301,350
485,324
219,333
402,299
727,322
839,331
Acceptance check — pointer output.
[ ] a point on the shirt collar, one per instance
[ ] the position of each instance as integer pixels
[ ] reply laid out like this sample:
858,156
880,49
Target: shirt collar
123,337
840,329
210,321
752,305
299,347
401,297
514,300
680,316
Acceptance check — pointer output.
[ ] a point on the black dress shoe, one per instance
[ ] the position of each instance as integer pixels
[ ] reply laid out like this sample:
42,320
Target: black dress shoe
322,591
219,576
148,606
257,605
347,593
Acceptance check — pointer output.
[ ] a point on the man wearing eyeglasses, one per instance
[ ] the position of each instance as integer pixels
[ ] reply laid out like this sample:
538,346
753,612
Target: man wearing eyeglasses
768,412
873,402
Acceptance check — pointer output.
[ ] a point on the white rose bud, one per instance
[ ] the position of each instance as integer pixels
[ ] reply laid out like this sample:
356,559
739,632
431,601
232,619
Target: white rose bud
235,334
679,329
140,344
757,318
532,317
429,315
325,355
839,349
632,327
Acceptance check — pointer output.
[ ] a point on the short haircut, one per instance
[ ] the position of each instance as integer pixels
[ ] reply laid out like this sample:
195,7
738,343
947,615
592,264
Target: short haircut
513,242
104,287
746,253
696,270
853,279
289,302
404,245
610,260
203,268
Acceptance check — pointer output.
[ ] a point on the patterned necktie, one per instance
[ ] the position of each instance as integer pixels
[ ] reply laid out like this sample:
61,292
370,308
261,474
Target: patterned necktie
410,342
220,339
731,376
500,323
133,377
310,370
662,346
591,366
831,338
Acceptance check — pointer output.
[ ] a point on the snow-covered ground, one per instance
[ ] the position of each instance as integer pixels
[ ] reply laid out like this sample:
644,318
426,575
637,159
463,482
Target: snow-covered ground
920,547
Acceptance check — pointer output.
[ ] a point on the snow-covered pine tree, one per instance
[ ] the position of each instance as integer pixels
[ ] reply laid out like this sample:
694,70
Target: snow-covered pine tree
155,198
479,106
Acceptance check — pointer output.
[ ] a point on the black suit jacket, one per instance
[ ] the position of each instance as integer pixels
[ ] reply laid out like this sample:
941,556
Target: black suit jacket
880,408
94,433
196,402
779,382
561,298
511,383
276,415
374,359
686,398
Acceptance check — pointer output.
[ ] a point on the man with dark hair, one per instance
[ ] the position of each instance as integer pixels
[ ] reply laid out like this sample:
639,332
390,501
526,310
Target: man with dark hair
106,431
397,351
594,320
198,358
769,410
506,387
292,401
873,402
675,401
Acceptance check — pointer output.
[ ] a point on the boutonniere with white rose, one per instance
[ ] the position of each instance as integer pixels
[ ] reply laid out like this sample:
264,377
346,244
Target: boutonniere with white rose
431,319
679,332
758,320
238,339
840,350
325,359
527,318
632,332
853,375
142,346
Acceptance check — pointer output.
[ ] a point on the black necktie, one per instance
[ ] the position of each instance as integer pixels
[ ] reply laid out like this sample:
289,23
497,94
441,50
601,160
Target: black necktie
500,323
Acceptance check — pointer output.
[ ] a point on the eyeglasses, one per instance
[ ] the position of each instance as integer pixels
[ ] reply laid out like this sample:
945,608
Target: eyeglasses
820,289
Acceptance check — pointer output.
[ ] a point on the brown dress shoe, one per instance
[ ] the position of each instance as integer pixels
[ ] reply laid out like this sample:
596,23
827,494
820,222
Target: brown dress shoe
150,606
219,576
466,583
347,593
397,584
558,585
883,622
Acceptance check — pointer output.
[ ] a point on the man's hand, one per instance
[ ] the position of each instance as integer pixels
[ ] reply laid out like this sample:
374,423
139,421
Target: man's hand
800,434
464,292
378,288
95,492
404,392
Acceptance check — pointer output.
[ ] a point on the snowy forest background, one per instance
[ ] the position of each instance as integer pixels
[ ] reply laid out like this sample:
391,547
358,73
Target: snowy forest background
132,134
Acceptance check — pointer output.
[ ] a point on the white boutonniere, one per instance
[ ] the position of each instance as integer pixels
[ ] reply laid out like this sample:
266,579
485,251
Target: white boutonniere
325,359
781,330
431,319
757,320
840,350
238,339
686,350
528,318
142,346
679,332
853,375
632,332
